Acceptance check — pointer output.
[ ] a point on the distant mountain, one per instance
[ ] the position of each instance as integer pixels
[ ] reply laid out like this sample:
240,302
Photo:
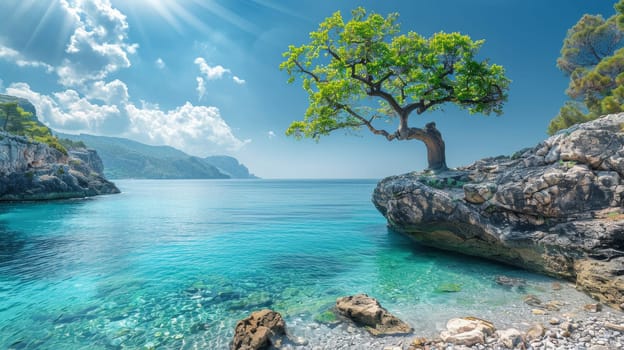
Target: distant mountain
230,166
127,159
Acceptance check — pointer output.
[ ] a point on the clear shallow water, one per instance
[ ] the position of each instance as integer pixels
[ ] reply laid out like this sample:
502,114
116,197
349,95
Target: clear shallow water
174,264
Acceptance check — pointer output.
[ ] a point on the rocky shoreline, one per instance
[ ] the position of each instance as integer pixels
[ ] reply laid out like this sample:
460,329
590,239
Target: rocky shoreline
556,208
33,171
36,171
586,327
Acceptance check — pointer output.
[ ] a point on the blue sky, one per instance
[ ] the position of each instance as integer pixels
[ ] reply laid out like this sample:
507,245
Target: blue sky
202,76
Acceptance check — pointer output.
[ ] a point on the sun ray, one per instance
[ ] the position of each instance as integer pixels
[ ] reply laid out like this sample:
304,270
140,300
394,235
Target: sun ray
227,15
46,16
181,13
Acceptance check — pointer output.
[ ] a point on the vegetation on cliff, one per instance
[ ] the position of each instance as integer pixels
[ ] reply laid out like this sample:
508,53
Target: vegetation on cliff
19,122
359,72
593,57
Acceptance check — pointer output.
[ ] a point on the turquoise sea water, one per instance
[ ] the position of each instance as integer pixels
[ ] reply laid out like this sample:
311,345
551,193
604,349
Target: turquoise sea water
174,264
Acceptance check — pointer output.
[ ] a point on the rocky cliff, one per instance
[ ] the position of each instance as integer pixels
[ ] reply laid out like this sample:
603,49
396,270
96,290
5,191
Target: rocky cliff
556,208
34,171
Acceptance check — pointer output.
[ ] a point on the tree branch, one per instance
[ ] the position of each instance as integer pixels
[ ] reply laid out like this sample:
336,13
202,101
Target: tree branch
385,77
422,106
303,70
367,82
333,53
368,123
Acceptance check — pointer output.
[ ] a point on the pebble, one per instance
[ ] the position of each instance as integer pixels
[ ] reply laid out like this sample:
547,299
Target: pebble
597,332
583,330
593,307
554,321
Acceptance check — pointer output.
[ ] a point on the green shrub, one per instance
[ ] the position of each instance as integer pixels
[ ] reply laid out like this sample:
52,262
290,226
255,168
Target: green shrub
19,122
67,143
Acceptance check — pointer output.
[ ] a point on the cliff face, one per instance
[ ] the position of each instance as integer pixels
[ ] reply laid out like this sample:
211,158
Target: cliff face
34,171
557,208
230,166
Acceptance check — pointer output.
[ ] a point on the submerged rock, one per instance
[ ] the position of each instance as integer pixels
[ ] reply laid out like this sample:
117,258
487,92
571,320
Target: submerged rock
557,208
367,311
510,282
258,331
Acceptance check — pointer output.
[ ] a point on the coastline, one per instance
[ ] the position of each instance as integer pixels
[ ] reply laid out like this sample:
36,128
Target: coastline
573,326
590,332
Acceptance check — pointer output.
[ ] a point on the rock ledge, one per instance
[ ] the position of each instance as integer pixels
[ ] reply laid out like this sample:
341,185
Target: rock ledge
556,208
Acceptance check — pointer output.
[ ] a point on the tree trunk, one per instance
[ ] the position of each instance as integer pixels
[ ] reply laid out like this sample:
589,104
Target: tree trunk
431,137
436,153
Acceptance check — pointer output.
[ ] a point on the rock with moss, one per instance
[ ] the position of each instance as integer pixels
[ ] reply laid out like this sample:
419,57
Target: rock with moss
327,317
556,208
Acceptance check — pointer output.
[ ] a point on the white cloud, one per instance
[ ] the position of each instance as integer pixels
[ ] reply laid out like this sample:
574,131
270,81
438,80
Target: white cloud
210,72
201,88
160,64
114,92
271,134
98,45
68,111
9,54
199,130
195,129
90,102
214,73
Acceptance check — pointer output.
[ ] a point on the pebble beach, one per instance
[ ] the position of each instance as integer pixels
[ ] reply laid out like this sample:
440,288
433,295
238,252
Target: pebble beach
574,321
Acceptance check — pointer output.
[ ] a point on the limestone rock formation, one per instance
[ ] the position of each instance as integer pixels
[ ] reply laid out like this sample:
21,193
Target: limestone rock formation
34,171
257,331
467,331
511,338
556,208
367,311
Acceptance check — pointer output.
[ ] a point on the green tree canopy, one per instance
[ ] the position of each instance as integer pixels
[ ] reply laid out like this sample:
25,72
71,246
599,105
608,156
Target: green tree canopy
593,57
19,122
362,72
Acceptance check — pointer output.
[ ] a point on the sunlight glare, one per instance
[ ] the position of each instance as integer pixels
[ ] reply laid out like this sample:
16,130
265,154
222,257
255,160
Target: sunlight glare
178,13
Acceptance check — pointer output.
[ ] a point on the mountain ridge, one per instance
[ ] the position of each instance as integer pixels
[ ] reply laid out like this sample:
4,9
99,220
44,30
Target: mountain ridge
125,158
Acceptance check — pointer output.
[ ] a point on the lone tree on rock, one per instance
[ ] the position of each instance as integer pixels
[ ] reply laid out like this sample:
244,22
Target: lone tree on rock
363,71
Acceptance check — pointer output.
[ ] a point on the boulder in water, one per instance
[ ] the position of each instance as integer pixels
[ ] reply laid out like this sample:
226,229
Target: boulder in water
258,331
367,311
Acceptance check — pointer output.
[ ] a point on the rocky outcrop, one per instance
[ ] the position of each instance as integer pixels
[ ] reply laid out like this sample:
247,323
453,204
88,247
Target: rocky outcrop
257,331
34,171
90,158
556,208
367,311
